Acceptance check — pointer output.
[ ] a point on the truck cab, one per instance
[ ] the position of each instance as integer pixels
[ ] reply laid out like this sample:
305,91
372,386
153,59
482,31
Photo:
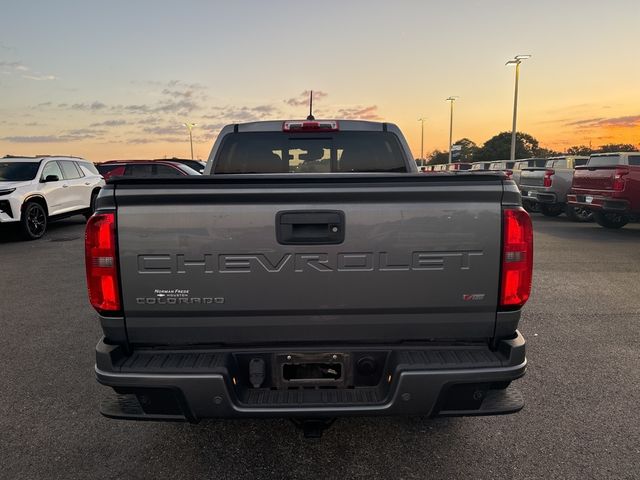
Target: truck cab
505,166
480,166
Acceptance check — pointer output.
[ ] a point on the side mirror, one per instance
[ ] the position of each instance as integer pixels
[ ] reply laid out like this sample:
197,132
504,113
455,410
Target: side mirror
51,178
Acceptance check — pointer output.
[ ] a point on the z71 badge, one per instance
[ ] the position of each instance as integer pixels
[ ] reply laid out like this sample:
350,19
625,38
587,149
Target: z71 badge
469,297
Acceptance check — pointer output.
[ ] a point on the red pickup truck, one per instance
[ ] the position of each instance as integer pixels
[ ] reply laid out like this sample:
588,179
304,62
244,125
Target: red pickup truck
608,185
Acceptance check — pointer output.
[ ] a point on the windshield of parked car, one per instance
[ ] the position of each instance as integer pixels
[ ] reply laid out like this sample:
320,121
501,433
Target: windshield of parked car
604,161
188,170
18,171
194,165
282,152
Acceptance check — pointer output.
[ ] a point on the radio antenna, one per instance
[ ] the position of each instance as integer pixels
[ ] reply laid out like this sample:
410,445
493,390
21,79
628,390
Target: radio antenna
311,117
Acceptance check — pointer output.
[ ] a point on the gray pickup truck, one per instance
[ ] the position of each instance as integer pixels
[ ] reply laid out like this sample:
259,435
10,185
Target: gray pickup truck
312,273
549,187
528,164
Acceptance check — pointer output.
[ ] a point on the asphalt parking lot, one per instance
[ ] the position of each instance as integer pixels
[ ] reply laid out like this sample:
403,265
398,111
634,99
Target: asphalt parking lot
581,420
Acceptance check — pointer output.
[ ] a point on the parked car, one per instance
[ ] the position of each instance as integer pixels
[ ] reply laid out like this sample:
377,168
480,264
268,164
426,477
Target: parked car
293,284
37,190
451,167
505,166
197,165
144,168
549,187
105,168
609,185
458,166
475,166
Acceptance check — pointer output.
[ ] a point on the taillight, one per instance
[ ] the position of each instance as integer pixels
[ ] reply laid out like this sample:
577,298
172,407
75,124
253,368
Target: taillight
509,173
547,177
517,258
101,263
310,126
618,180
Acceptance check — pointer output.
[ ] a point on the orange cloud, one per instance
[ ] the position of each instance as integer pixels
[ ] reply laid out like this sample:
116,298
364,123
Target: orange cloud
627,121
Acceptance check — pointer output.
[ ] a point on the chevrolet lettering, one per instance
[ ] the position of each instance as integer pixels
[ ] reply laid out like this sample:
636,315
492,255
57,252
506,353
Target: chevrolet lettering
304,262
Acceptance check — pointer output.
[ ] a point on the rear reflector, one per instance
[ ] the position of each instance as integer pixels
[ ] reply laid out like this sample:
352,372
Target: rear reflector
310,126
101,263
517,258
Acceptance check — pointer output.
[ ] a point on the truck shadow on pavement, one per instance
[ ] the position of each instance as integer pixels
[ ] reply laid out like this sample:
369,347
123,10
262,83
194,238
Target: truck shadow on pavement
397,447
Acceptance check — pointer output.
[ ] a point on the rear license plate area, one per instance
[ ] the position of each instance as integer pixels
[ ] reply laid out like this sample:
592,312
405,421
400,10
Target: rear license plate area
295,370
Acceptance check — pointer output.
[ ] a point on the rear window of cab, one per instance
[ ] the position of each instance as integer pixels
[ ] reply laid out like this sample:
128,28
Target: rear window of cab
604,161
284,152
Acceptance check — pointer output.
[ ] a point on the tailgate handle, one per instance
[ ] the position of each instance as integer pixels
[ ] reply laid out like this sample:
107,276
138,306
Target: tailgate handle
325,227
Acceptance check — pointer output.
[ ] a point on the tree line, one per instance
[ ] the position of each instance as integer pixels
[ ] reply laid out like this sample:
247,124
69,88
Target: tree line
498,147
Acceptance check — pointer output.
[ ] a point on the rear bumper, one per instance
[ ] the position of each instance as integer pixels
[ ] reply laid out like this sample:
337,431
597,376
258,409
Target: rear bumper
598,202
531,194
190,385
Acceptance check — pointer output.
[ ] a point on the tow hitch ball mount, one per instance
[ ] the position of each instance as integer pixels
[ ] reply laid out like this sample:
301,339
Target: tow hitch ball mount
313,427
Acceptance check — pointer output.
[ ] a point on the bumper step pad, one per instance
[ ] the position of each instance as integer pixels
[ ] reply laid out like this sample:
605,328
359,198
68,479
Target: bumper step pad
127,406
303,397
496,402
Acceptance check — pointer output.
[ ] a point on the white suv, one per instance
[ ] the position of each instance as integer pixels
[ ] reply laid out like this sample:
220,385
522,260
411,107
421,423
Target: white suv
36,190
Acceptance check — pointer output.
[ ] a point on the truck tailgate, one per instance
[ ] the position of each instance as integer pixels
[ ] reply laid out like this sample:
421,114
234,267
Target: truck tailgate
532,178
594,178
211,261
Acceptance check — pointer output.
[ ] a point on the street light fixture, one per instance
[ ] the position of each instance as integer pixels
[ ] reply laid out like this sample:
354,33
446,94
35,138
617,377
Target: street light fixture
451,100
421,120
517,60
190,127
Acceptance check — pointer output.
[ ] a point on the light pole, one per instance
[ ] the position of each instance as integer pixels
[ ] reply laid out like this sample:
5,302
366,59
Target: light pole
190,127
517,60
421,120
451,100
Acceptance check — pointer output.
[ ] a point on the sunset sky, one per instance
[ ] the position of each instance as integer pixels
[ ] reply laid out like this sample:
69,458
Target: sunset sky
117,79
